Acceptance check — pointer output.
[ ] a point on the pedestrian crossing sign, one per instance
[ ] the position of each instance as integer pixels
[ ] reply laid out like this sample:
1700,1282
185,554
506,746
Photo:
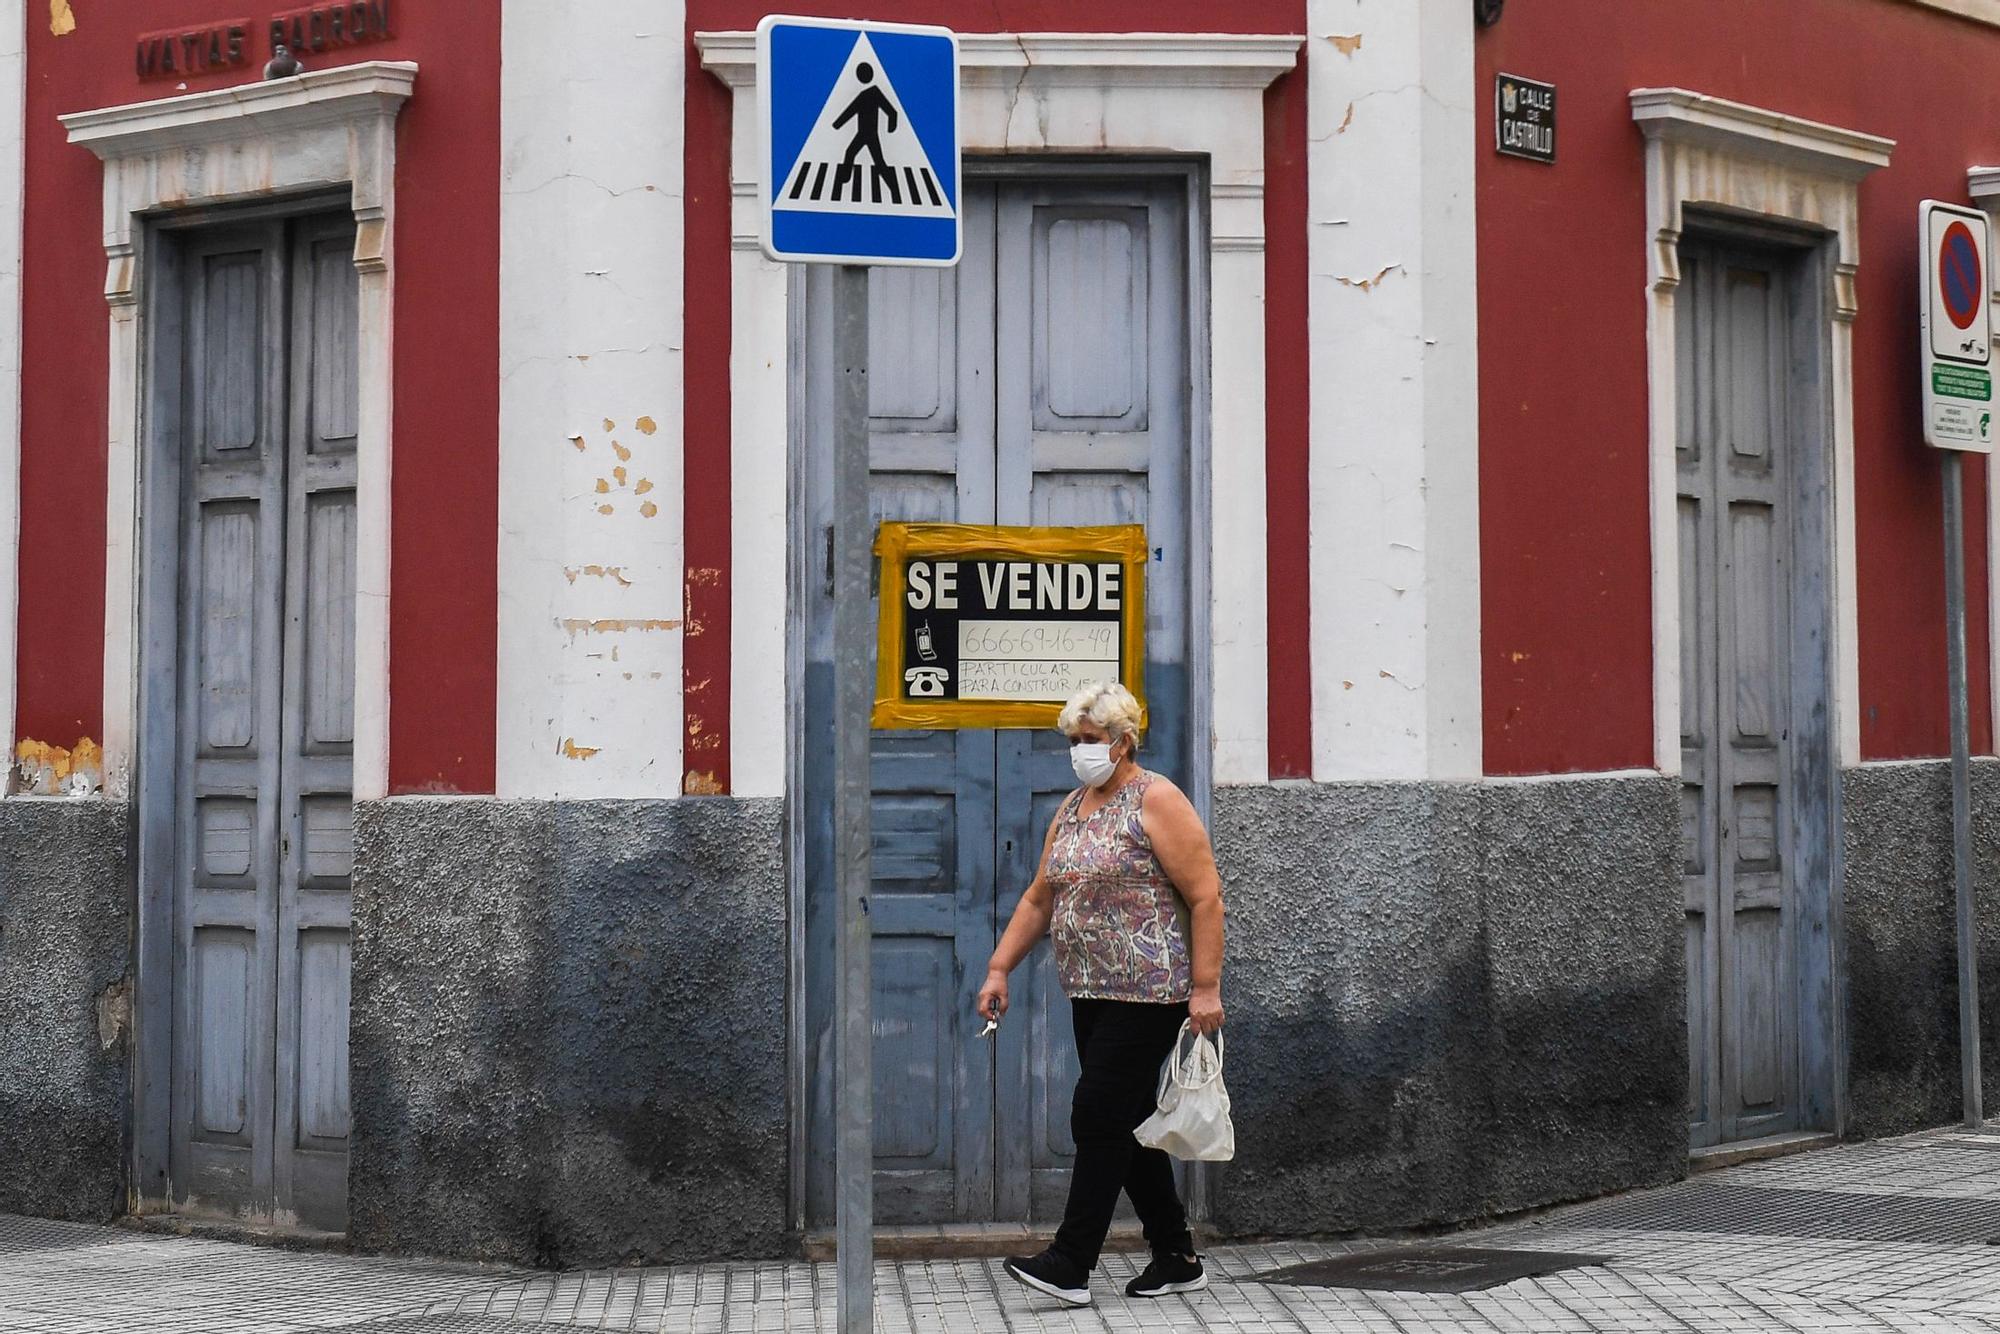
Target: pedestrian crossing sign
859,144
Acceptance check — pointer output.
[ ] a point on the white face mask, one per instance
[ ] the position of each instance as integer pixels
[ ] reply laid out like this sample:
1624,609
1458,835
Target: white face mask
1092,762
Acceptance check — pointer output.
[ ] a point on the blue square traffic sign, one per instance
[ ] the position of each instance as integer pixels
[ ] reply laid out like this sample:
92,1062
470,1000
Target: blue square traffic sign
859,149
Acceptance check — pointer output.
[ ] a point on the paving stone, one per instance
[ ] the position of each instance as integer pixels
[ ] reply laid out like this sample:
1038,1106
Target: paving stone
1864,1239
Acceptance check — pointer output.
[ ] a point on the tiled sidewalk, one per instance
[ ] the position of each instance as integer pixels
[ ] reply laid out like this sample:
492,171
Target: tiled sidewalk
1894,1236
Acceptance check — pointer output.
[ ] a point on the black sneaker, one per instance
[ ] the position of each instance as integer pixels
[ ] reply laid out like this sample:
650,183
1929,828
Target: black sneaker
1169,1273
1059,1276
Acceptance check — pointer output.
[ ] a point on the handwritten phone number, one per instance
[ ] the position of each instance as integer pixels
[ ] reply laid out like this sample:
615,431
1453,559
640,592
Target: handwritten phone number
1037,640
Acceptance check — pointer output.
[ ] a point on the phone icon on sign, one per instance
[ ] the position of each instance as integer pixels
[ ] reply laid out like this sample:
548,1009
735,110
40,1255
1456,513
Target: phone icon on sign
926,682
926,649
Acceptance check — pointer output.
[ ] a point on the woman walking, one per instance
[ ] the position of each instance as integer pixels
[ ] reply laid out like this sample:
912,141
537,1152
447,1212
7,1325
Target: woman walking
1129,894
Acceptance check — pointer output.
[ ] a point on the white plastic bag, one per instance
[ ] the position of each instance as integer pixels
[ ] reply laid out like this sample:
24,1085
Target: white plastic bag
1193,1120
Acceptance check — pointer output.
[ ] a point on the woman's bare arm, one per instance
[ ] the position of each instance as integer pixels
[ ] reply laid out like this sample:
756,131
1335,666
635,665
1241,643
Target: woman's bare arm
1182,846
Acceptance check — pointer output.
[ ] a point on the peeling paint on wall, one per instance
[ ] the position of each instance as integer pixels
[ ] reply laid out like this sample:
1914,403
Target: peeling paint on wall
114,1013
646,425
701,783
570,750
617,572
62,21
49,771
1365,284
612,625
1345,44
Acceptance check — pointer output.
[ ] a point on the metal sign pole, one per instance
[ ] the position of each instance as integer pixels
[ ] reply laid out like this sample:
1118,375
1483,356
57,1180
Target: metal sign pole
853,694
1961,783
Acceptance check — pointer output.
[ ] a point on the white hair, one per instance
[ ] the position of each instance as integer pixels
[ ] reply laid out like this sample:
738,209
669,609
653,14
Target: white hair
1109,705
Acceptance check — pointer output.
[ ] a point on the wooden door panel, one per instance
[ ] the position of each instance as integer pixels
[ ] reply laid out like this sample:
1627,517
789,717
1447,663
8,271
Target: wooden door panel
1089,292
1756,685
1092,429
226,397
327,627
333,413
260,384
225,963
227,596
317,785
1699,986
325,959
912,351
913,1106
229,353
1757,972
1735,577
1041,382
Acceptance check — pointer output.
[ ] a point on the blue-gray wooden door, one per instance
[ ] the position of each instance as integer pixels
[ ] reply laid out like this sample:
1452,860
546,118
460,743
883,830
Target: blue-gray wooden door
1044,381
265,358
1739,819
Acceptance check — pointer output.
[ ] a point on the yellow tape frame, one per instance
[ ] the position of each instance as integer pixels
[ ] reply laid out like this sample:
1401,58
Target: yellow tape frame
897,543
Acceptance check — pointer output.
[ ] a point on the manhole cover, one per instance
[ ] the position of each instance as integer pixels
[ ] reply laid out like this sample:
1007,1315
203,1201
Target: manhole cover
1427,1269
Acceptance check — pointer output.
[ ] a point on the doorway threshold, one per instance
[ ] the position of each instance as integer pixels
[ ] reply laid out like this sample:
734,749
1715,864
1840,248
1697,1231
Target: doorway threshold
277,1235
1757,1150
964,1241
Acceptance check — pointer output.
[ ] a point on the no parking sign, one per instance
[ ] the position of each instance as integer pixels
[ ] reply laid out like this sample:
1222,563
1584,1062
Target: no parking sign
1957,324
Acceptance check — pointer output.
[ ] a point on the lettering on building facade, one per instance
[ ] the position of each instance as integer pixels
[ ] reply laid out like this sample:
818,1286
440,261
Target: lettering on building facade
181,52
212,48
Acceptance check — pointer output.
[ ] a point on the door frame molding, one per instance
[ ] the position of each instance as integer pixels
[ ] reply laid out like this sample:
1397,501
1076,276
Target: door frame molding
1728,171
285,146
1192,174
262,142
1731,159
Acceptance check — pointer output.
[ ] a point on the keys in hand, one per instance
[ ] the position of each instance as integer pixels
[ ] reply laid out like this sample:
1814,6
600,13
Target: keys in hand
992,1027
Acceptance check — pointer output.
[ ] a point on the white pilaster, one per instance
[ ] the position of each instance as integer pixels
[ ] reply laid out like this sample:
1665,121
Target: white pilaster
1394,390
591,551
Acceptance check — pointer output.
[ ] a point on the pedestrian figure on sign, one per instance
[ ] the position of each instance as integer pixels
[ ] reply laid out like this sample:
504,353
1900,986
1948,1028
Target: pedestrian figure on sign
867,108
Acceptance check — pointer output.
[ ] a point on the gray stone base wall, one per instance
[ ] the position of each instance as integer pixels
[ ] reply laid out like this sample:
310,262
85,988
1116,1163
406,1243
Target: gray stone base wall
1901,937
65,1006
1448,1001
568,1030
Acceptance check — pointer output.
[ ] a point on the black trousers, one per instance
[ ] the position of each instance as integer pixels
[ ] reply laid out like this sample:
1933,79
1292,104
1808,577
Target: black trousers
1120,1046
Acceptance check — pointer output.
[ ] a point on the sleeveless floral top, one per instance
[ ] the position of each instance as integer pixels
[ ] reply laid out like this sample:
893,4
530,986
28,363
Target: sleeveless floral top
1120,929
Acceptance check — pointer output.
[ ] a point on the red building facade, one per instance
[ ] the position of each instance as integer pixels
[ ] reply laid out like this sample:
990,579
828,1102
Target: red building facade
418,653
